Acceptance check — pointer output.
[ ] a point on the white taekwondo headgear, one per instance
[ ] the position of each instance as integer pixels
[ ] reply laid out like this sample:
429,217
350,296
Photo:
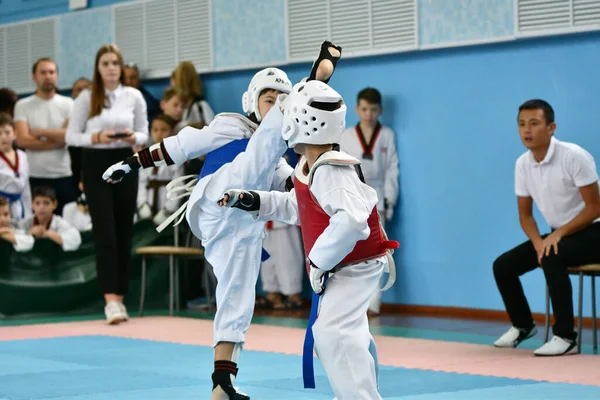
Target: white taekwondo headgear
268,78
314,114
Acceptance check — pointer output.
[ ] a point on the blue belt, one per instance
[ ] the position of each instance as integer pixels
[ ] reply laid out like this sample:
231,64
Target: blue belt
14,197
308,370
264,256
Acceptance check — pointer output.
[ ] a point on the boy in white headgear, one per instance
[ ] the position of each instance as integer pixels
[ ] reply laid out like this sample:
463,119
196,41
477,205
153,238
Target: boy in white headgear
346,246
240,153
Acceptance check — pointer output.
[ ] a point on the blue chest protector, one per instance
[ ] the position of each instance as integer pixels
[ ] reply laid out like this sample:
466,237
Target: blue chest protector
291,157
221,156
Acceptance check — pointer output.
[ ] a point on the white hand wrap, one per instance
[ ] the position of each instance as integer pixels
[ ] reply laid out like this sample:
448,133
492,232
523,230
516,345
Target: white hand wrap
116,172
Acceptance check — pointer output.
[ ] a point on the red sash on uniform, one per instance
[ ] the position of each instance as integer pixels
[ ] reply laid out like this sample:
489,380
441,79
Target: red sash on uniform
367,147
14,167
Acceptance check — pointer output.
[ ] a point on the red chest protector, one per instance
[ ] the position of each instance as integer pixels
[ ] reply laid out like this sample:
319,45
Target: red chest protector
314,220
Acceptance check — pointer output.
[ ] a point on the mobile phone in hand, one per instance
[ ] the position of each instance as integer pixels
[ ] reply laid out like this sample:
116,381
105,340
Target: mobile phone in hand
119,135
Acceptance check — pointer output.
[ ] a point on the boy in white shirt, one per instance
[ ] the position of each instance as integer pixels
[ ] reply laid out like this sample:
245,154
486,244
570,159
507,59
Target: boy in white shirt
44,224
14,171
77,213
374,145
152,192
20,240
172,105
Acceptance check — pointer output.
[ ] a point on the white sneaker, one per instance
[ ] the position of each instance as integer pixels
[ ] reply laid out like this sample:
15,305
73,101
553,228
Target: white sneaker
114,313
514,337
557,346
124,311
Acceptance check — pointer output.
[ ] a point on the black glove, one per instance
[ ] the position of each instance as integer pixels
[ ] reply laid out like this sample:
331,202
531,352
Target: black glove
324,55
249,202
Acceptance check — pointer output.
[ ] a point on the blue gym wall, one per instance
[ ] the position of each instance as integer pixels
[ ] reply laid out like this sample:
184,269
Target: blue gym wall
454,113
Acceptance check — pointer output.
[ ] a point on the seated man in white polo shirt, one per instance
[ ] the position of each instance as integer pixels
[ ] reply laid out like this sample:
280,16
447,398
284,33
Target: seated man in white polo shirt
561,178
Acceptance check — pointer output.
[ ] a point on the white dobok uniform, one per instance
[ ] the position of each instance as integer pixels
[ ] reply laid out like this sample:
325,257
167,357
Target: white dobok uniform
232,239
342,339
76,218
14,184
378,161
284,270
71,238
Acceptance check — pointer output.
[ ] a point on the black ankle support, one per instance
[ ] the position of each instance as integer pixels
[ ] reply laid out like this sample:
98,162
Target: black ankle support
222,377
325,55
224,365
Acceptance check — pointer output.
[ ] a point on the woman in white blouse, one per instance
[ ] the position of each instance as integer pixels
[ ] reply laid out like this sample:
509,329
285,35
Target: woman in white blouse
107,121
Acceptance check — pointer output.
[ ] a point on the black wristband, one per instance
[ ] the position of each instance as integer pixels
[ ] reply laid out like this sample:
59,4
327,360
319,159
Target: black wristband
145,158
165,154
289,184
133,163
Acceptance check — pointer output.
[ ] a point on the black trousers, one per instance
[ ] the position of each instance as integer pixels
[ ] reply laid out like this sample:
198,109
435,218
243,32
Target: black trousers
112,207
75,153
581,248
65,188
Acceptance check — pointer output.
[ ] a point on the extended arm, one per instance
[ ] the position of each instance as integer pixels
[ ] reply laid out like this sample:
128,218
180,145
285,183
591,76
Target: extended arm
264,206
188,144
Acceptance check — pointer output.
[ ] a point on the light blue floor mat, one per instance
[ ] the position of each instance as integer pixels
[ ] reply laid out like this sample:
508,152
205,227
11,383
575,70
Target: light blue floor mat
103,368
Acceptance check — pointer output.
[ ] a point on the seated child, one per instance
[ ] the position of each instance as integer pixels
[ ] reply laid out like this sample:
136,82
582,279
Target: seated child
44,224
172,105
76,213
14,171
152,192
20,240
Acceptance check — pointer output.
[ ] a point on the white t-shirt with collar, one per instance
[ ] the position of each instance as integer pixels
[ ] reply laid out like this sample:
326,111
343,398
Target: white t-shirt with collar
554,182
51,113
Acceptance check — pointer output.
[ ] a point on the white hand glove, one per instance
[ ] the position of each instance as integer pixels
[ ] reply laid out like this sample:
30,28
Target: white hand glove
144,212
161,217
116,172
317,279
